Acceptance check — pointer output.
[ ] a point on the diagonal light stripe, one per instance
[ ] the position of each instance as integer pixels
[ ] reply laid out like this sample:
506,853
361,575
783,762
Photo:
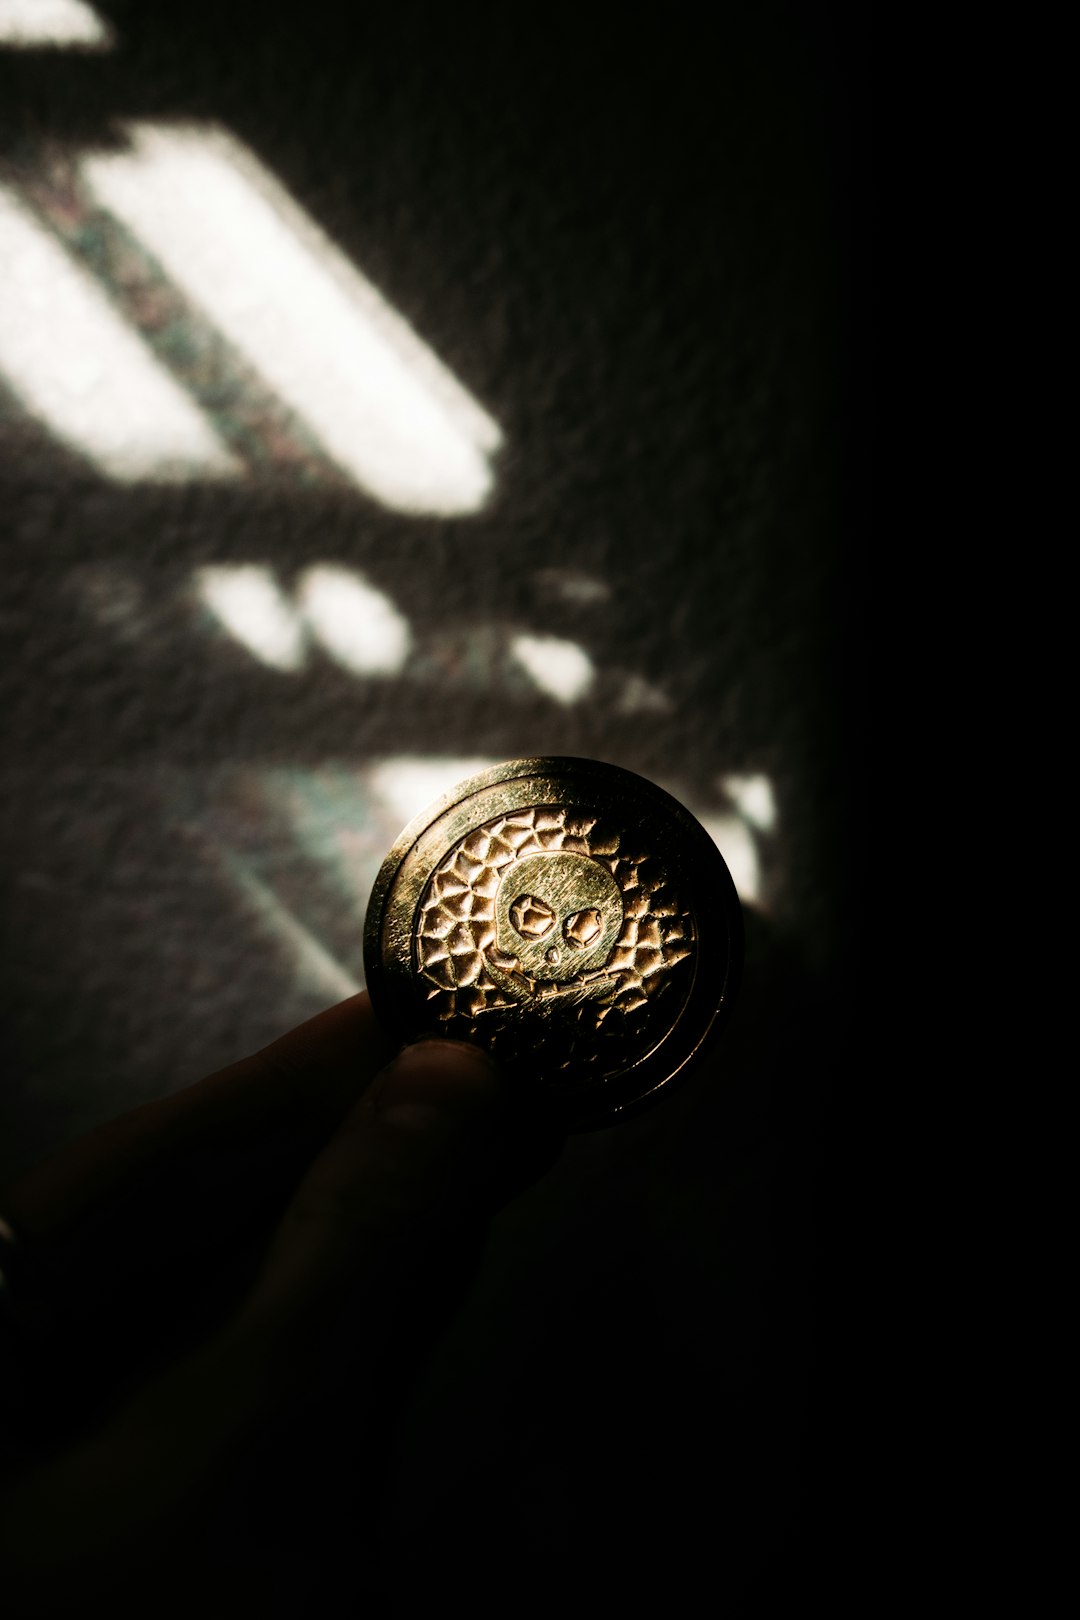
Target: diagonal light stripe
53,22
74,364
238,246
317,970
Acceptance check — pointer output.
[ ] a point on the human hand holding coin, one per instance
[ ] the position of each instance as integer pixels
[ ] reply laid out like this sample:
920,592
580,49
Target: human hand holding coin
245,1253
256,1245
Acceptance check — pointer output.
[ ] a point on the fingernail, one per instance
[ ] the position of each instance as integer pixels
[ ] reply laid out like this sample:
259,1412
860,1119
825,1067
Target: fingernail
437,1083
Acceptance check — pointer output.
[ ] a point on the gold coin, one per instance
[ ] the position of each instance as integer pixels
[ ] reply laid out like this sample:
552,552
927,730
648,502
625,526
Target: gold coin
568,916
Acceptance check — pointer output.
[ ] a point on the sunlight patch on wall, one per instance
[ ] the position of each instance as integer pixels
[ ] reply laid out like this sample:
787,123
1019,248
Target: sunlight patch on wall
735,841
753,797
53,22
561,669
73,363
384,408
358,626
334,607
406,784
254,609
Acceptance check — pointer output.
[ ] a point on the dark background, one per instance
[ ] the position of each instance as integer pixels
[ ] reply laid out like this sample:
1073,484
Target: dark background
639,241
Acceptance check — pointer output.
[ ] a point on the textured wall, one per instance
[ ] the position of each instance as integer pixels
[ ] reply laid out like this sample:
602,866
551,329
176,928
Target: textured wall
624,242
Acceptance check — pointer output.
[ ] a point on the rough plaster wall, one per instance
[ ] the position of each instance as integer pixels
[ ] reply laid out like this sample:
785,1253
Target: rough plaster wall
622,242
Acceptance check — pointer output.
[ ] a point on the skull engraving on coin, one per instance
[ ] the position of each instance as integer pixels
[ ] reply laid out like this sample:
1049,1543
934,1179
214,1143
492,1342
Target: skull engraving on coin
556,918
568,917
546,912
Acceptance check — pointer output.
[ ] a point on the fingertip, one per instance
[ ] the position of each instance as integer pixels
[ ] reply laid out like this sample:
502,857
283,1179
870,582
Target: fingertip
342,1035
437,1081
458,1057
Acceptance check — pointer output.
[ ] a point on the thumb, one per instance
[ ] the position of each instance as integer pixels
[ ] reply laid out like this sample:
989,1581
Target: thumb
419,1147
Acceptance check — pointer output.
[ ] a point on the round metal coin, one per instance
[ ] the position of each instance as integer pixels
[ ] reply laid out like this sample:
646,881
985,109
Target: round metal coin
569,917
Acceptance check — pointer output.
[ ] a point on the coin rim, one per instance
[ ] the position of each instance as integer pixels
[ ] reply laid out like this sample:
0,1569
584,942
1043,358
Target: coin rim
718,959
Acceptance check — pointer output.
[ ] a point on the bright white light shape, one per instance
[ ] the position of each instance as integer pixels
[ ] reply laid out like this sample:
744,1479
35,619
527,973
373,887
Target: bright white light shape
735,842
562,669
252,606
53,22
753,797
376,398
358,626
407,784
73,363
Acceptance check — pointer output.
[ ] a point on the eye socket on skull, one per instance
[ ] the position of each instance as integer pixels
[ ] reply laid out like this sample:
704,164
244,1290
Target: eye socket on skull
531,916
583,927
